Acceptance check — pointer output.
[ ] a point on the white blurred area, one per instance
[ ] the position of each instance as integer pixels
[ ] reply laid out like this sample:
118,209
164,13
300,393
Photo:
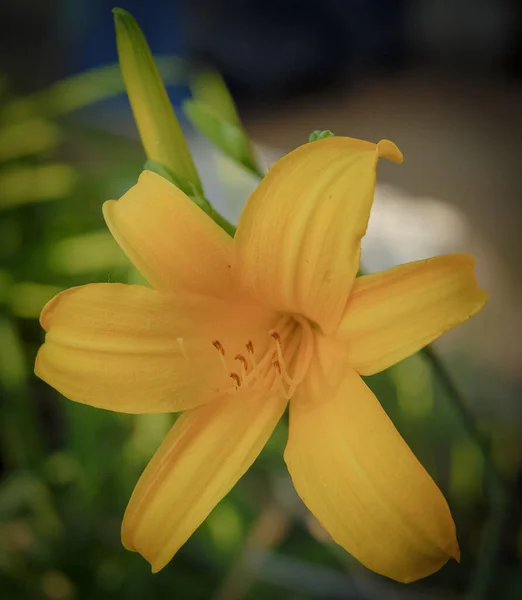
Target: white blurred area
405,228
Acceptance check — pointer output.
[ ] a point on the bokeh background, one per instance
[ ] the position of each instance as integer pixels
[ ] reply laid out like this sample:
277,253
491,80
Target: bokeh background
443,79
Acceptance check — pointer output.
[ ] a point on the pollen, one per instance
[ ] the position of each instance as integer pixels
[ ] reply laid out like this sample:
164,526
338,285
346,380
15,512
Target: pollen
242,360
236,378
279,350
244,365
221,350
219,346
273,334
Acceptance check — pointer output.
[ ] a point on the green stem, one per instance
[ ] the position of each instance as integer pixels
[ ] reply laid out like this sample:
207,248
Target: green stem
488,559
466,418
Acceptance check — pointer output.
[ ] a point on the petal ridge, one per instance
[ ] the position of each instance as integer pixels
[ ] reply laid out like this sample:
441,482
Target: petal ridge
393,314
358,477
297,245
206,452
169,239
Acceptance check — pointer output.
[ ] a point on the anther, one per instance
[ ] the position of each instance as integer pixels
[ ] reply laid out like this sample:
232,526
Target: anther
219,346
280,378
250,349
244,364
236,378
242,360
277,338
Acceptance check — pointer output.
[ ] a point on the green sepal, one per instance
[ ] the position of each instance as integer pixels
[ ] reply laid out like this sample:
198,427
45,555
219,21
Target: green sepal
199,199
166,173
320,134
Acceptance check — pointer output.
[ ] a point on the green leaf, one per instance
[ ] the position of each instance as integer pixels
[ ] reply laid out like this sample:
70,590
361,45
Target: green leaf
230,137
30,184
82,90
160,132
27,138
209,88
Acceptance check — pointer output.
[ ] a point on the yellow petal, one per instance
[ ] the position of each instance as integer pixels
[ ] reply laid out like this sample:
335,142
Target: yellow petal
297,244
205,453
116,346
391,315
359,478
171,241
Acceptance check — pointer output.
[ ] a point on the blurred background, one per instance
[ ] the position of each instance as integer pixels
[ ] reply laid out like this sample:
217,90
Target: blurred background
441,78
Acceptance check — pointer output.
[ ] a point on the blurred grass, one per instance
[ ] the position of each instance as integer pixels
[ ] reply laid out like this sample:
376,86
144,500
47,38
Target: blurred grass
68,470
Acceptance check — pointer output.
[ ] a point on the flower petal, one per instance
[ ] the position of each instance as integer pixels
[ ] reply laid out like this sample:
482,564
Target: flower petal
359,478
205,453
391,315
297,244
171,241
116,346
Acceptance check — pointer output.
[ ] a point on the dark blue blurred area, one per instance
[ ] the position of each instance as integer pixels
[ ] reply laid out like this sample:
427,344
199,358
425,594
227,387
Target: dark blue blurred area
267,49
276,46
86,28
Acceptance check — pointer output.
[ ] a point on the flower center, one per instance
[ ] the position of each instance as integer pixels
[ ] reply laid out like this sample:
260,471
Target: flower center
280,364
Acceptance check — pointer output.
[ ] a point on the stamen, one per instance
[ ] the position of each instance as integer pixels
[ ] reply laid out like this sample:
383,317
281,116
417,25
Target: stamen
237,380
267,371
250,350
273,334
280,359
280,378
244,364
219,347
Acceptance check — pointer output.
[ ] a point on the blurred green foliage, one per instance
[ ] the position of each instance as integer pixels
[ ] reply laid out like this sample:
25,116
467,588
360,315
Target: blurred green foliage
68,470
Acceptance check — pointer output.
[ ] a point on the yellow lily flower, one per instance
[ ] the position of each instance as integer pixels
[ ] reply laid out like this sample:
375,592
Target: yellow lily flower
234,329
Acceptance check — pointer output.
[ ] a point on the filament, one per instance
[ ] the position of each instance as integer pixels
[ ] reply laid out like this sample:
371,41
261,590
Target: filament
293,346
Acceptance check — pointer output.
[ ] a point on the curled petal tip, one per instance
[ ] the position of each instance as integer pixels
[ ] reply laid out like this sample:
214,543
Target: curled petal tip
482,301
156,567
455,552
389,150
